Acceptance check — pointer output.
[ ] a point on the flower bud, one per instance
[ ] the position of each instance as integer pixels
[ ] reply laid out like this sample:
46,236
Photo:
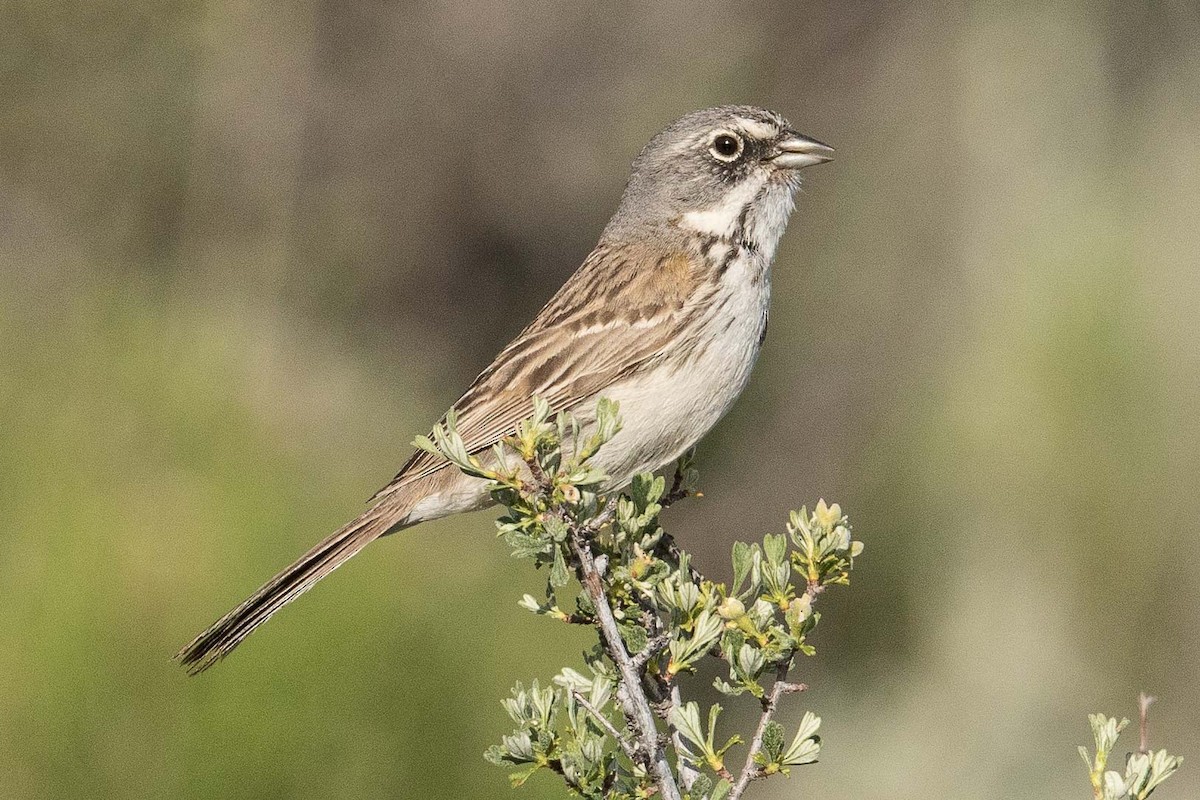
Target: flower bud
827,516
731,608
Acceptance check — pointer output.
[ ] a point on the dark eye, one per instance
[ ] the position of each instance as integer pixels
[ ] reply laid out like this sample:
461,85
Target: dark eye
725,147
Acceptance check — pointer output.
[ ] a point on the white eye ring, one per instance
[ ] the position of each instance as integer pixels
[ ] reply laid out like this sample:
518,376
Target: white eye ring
726,146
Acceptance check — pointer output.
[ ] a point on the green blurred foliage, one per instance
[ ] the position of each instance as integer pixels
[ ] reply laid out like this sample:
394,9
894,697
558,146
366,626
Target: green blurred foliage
246,253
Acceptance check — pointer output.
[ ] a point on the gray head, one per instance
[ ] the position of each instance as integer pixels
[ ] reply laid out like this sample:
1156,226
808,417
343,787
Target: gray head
729,171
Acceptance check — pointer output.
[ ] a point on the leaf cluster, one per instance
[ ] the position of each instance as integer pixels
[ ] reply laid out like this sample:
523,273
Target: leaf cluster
1143,773
556,732
767,619
670,619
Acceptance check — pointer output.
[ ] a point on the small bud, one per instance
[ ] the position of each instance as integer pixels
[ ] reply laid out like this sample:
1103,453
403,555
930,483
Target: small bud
799,609
731,608
827,516
640,566
570,493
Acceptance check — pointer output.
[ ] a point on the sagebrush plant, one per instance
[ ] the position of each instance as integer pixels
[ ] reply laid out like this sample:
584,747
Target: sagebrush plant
619,727
1145,769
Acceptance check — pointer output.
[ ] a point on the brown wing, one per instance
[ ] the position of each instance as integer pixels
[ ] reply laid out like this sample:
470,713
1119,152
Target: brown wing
620,311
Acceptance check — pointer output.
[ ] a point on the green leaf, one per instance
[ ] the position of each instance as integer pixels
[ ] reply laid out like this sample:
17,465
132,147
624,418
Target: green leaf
806,745
686,720
711,749
686,651
750,661
775,548
635,637
608,423
559,575
1105,731
555,527
527,545
727,688
721,790
772,743
802,751
495,755
657,488
518,778
743,559
518,747
808,726
714,711
1145,771
646,489
639,488
426,444
1114,786
573,680
541,410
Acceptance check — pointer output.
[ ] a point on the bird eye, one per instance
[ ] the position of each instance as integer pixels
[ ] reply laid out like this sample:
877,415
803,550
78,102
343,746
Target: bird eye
725,147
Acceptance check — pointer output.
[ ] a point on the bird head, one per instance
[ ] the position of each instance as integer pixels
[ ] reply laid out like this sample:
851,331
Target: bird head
729,172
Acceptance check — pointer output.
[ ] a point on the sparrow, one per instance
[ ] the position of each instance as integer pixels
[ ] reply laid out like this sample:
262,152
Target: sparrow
665,316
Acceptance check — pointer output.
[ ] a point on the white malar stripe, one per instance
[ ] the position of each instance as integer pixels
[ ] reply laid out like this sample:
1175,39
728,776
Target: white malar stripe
721,219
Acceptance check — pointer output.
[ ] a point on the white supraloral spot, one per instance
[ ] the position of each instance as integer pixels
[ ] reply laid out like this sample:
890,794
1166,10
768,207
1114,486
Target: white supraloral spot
758,129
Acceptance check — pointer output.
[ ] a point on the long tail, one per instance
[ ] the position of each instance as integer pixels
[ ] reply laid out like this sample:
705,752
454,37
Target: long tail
228,632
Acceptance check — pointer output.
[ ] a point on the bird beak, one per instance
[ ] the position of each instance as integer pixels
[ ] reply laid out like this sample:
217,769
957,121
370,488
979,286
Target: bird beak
796,151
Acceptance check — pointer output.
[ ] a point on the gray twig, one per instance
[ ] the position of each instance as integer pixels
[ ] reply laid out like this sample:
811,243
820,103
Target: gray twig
750,770
593,525
1144,701
652,648
631,695
624,743
677,492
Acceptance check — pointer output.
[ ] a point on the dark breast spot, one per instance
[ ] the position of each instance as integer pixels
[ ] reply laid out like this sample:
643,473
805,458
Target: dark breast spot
730,255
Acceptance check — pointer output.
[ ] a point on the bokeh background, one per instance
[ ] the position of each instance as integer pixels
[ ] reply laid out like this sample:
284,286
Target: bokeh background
247,251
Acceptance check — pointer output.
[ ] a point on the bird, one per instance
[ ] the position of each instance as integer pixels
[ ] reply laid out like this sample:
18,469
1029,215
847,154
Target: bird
666,317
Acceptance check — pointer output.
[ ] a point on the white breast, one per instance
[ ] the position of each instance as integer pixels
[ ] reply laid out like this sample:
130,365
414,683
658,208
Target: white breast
667,410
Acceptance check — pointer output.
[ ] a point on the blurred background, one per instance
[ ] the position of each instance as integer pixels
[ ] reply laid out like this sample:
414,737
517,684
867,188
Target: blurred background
248,252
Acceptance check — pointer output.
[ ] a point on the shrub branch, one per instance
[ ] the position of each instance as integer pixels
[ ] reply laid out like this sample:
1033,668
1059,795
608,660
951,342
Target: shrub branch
630,695
656,618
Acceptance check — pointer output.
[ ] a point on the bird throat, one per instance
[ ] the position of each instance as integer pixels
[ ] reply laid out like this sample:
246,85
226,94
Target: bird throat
752,216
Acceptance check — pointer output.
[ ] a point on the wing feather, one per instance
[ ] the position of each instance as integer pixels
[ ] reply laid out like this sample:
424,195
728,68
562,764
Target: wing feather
608,321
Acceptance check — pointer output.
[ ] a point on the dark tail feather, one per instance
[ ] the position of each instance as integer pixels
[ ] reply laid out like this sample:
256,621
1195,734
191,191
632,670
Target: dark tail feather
228,632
